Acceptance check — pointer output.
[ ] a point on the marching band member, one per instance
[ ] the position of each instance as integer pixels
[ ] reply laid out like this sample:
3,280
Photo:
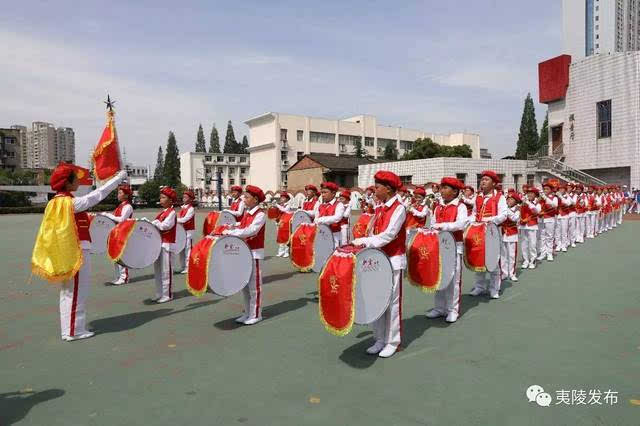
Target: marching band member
62,249
330,212
187,219
283,206
450,214
572,234
388,233
592,213
345,223
509,247
166,223
562,223
251,229
600,203
237,205
529,227
418,209
581,214
549,206
469,199
311,201
404,196
491,206
123,212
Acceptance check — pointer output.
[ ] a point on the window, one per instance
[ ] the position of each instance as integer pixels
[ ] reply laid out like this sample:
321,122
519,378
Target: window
406,145
232,159
406,180
208,170
319,137
382,143
479,178
207,158
232,170
243,170
232,181
299,155
501,176
603,111
219,169
243,181
531,180
462,177
220,159
283,134
299,135
516,179
242,159
368,141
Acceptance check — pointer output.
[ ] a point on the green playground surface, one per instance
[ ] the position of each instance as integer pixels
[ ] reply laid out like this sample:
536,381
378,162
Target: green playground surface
570,325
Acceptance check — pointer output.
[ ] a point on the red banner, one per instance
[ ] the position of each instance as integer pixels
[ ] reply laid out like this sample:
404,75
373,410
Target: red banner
425,264
361,226
106,156
273,213
412,222
118,237
210,223
302,241
198,272
336,291
284,228
474,239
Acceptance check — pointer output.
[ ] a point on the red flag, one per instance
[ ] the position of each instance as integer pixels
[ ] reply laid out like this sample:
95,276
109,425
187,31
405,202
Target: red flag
106,156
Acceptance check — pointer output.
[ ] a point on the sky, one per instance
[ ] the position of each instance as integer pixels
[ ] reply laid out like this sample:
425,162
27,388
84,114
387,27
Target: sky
438,66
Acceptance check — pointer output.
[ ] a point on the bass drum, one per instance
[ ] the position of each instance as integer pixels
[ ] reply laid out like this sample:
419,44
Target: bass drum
143,246
374,282
230,265
181,239
99,230
300,216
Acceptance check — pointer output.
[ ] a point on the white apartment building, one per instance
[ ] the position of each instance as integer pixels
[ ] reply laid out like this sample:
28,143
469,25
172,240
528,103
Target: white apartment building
594,113
277,141
65,145
594,27
198,170
22,138
138,175
41,142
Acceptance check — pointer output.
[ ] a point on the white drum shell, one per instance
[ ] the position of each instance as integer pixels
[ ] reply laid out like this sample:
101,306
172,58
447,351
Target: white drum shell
99,230
374,282
493,241
181,239
143,247
299,217
323,247
230,265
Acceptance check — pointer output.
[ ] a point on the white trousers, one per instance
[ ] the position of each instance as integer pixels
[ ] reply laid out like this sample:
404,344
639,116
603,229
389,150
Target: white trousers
184,255
562,233
344,234
508,258
73,298
548,235
448,300
489,280
122,273
580,228
621,212
572,229
388,328
252,292
163,274
528,239
591,224
539,233
283,249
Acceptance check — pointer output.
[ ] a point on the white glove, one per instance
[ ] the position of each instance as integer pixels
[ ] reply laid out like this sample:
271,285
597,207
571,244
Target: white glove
357,242
122,175
437,226
226,232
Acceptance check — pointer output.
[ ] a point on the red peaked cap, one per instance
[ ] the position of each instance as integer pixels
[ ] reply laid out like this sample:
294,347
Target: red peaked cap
236,188
311,187
60,176
388,178
515,196
346,194
454,183
549,184
330,186
190,194
169,192
419,191
403,188
125,188
533,189
493,175
286,195
255,191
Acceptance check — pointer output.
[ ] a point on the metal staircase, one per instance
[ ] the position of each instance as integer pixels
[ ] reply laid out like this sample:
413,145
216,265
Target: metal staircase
551,163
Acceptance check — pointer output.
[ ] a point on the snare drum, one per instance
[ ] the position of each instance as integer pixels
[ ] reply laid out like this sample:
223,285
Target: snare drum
135,244
300,216
215,219
482,241
181,239
311,246
222,263
431,259
99,230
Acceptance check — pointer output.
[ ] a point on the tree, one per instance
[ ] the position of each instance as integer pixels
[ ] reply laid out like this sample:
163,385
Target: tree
390,152
171,173
544,133
422,148
230,143
149,192
245,145
528,136
214,141
359,151
200,142
159,170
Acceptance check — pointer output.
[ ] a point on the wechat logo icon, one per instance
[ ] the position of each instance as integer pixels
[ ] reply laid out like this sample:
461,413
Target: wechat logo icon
535,393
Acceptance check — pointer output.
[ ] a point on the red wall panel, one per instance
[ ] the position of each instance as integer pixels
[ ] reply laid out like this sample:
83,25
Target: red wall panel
553,78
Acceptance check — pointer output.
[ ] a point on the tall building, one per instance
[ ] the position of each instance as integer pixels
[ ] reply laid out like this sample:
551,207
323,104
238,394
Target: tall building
199,169
9,149
594,27
41,140
22,140
65,145
277,141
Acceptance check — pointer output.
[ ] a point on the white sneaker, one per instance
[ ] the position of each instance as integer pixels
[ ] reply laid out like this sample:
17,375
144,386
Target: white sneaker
434,313
119,281
252,321
550,258
514,279
155,298
279,254
525,265
86,335
184,272
476,291
564,249
388,351
573,245
532,266
541,257
242,319
164,299
452,317
285,255
377,347
495,295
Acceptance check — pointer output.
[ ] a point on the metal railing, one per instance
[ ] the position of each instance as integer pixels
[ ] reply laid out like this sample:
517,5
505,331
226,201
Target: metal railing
554,166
